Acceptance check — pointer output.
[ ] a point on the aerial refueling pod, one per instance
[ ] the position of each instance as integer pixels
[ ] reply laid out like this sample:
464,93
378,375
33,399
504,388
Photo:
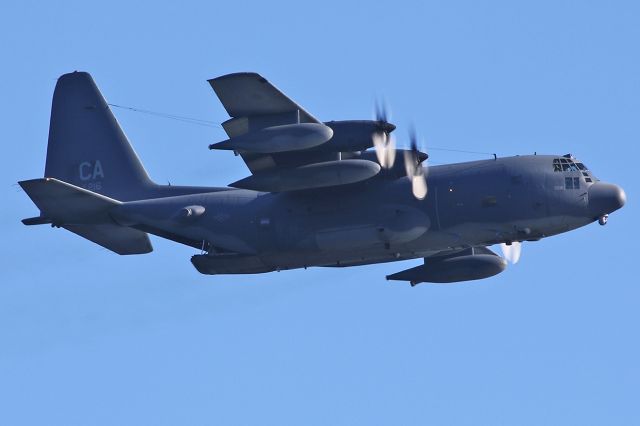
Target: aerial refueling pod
284,138
471,264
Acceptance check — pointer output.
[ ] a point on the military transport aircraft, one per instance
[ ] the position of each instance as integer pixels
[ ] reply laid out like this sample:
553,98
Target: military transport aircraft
336,193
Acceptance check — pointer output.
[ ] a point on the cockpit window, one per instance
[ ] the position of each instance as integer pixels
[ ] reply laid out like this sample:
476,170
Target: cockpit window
568,165
565,165
582,167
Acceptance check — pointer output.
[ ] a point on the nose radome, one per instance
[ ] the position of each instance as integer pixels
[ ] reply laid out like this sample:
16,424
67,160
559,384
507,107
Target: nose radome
605,198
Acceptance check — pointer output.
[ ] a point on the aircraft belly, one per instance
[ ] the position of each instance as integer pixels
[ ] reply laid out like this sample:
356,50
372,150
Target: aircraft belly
431,242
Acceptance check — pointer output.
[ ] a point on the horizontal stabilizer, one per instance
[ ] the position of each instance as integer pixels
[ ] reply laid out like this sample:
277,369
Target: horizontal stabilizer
38,220
64,203
84,213
118,239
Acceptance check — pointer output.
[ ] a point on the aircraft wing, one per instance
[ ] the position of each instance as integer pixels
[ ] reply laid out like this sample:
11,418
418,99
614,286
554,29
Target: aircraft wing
247,94
256,108
283,145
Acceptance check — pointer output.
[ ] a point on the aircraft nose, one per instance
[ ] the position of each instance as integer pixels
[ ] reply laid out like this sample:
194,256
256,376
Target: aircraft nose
605,198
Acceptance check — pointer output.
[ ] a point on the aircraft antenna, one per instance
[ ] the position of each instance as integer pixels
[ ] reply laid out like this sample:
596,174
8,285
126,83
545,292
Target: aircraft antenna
181,118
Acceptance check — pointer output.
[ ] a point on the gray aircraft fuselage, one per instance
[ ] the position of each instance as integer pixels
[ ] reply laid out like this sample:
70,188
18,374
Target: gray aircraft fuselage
468,204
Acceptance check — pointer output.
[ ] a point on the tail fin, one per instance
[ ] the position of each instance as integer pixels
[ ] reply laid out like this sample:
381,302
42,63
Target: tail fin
87,147
84,213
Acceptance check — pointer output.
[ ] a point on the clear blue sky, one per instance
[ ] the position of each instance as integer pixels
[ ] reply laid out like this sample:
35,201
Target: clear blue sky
87,337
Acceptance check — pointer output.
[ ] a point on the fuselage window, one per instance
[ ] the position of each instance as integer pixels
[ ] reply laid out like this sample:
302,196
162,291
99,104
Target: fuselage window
571,183
568,183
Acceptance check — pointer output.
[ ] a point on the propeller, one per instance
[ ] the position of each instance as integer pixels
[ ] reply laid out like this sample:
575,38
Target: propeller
383,142
385,147
413,160
511,252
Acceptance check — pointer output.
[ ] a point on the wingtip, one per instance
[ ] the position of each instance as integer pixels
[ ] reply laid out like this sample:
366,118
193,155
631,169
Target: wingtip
74,75
237,74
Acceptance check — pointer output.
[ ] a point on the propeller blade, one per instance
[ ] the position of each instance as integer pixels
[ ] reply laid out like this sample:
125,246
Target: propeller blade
413,166
391,151
511,252
385,146
383,142
419,186
413,139
379,145
381,111
409,163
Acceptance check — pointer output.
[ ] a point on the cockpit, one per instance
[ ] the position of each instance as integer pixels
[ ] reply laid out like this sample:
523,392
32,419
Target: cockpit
569,165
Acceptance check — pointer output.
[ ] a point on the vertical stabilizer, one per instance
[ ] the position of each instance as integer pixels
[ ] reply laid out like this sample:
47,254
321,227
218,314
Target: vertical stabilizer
87,147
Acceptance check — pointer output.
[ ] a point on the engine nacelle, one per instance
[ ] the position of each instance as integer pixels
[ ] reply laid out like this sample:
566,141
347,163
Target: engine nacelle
276,133
316,175
471,264
353,135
